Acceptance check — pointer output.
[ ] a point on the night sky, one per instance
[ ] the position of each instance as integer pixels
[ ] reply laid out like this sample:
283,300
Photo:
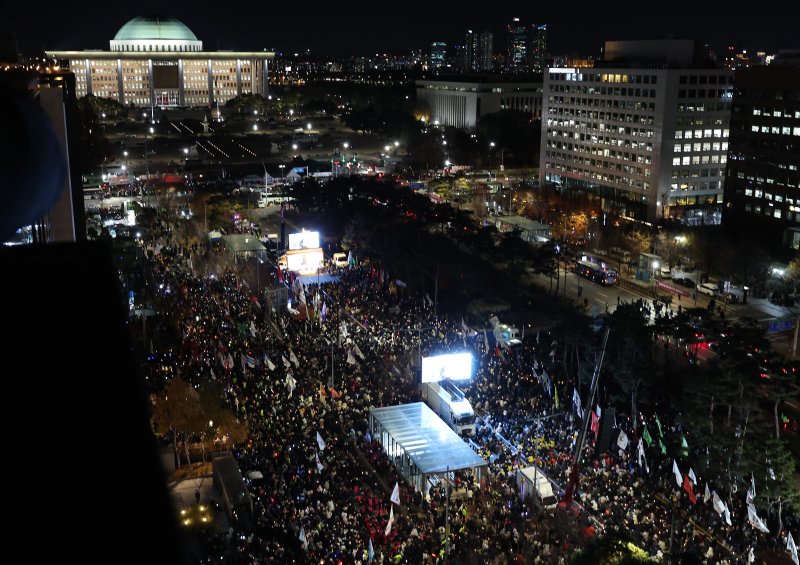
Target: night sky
368,27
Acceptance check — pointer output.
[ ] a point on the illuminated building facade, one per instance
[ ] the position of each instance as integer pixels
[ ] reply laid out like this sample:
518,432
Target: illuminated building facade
649,139
155,61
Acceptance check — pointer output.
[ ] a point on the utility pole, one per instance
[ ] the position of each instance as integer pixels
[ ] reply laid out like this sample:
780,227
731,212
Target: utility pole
447,517
576,462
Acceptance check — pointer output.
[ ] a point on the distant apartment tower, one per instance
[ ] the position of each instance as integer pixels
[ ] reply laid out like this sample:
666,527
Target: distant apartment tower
438,54
484,59
762,184
517,45
645,131
471,49
537,50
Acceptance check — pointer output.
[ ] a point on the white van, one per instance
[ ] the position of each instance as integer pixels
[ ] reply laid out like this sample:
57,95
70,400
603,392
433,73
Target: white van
339,259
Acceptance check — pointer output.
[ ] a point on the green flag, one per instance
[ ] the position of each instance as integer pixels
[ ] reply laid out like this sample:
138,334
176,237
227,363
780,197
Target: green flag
658,423
555,398
684,446
646,436
663,447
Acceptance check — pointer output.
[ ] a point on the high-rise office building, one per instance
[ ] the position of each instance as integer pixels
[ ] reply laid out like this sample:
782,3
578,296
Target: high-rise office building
517,45
156,61
762,183
438,54
485,51
645,131
537,50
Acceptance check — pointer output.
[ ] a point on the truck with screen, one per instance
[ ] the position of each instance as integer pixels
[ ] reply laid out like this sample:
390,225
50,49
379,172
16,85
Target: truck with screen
447,400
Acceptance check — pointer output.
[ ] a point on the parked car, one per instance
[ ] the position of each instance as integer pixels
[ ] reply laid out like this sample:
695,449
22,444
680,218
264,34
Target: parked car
666,272
708,288
683,281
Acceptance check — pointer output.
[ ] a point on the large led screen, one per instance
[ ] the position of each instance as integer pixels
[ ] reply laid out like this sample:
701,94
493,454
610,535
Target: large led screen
455,366
304,240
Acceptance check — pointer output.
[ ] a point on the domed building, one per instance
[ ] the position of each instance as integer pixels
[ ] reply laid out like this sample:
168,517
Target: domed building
156,61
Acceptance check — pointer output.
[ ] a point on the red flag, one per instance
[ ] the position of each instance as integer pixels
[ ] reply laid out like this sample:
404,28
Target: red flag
280,274
595,424
687,486
333,392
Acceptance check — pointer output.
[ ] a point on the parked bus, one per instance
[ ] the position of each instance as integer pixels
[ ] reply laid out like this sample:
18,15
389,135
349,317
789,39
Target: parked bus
595,269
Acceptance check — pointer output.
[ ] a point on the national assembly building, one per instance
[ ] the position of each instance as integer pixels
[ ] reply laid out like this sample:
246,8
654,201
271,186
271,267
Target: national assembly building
159,62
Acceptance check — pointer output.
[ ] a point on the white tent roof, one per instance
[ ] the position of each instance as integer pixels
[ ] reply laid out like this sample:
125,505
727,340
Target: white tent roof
429,442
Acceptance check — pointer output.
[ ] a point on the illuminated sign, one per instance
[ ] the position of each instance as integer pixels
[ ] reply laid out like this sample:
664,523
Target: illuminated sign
455,366
304,240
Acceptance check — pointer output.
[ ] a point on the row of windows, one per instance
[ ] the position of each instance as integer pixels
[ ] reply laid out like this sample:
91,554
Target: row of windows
699,159
604,116
603,103
698,120
705,79
605,77
601,139
768,195
696,147
782,130
595,126
595,175
695,186
592,150
702,133
704,107
777,113
705,93
695,200
770,210
715,172
604,90
789,180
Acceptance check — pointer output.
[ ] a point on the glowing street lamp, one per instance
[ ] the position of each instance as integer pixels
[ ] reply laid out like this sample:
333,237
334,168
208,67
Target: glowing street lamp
294,146
255,127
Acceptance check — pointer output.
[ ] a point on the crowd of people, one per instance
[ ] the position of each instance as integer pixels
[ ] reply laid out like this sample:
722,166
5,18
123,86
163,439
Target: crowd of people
304,385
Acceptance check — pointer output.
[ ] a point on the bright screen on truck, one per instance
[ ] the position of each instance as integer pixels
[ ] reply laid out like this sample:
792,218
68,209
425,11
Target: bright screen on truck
304,240
455,366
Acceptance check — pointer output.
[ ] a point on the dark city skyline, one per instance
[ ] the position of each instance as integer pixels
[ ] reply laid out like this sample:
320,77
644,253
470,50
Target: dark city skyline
363,28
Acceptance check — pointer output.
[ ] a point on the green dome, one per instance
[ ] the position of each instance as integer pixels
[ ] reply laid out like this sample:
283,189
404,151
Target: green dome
155,27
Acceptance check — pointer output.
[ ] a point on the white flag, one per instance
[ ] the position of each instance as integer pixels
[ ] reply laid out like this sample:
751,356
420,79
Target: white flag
396,494
319,465
692,476
320,442
229,361
728,516
351,359
622,440
678,476
285,361
640,455
343,329
290,383
268,361
751,492
293,358
792,548
391,520
252,329
485,340
358,352
707,494
719,506
576,403
370,551
302,538
754,520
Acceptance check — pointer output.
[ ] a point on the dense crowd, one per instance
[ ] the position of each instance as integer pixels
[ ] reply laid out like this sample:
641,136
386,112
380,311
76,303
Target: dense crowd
324,496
